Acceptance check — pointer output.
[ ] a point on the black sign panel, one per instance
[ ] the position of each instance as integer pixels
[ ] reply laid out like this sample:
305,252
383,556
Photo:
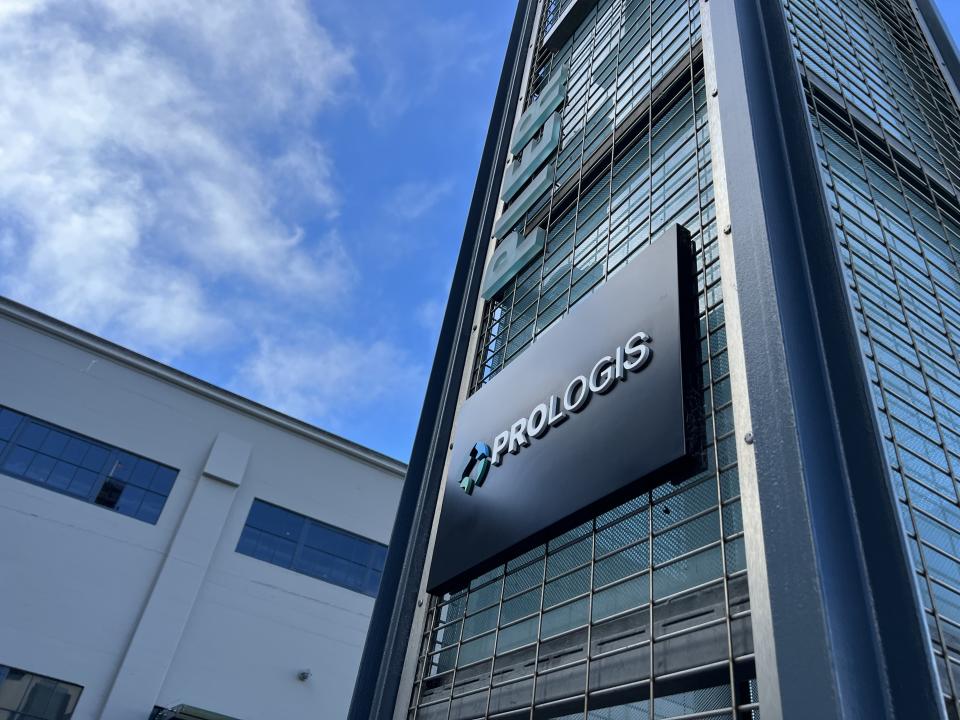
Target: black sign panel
600,406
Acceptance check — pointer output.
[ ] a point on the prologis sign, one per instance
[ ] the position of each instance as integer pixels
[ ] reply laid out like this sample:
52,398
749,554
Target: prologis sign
632,356
599,407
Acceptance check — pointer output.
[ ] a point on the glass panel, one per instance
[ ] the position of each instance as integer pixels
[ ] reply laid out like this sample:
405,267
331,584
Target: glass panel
54,443
568,558
18,460
623,596
83,481
62,475
143,473
686,573
40,468
523,579
480,623
564,618
632,711
75,450
474,650
150,507
622,533
130,500
25,696
95,458
9,421
485,596
692,701
293,541
33,435
689,536
516,635
520,606
567,587
275,520
68,463
618,566
122,465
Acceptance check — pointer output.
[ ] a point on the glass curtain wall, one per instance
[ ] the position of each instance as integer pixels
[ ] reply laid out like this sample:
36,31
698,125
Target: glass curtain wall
887,134
643,612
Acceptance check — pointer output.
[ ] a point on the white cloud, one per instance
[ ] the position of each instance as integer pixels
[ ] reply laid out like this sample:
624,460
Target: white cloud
135,196
430,315
11,8
326,376
272,54
412,200
305,175
414,64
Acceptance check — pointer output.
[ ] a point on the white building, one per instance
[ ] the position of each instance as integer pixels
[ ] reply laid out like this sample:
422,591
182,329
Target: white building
168,544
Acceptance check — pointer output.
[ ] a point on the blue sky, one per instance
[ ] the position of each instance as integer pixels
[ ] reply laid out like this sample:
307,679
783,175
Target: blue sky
950,9
267,194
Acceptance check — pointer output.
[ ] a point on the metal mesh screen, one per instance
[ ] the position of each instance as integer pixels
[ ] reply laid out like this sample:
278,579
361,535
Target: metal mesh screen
886,130
642,612
619,170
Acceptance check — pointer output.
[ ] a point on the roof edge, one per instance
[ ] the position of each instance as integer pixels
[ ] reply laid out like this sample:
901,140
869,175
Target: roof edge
27,316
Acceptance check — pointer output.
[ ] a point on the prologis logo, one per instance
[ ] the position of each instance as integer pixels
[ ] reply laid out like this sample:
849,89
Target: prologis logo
610,370
476,467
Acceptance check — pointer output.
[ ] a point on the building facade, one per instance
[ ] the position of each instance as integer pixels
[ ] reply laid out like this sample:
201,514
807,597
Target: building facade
169,549
809,564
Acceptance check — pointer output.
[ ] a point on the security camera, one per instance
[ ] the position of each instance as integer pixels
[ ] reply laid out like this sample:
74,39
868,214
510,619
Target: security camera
304,675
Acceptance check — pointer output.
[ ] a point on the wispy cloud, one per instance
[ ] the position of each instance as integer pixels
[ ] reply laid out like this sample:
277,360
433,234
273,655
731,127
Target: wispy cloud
304,177
243,188
137,194
12,8
430,315
432,51
326,375
412,200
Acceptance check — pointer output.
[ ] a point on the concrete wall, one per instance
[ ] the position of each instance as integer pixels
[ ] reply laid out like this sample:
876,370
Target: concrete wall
97,598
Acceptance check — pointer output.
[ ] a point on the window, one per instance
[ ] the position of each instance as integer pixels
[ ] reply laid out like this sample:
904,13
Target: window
25,696
308,546
69,463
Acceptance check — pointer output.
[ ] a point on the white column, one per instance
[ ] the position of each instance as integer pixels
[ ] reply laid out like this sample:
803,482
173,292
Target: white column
167,610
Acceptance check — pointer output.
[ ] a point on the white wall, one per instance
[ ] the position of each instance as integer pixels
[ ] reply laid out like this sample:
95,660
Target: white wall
76,577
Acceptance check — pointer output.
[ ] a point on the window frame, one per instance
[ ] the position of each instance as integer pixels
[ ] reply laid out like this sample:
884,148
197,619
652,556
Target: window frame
368,581
73,700
108,469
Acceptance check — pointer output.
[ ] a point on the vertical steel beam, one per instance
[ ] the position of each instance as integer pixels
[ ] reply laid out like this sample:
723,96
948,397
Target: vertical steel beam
837,625
376,690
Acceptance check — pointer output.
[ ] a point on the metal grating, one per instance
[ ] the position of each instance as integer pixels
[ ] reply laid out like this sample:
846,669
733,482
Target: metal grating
642,612
569,627
621,128
887,133
874,54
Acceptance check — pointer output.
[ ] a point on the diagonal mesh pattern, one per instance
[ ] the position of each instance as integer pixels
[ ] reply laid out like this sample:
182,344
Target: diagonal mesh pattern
887,133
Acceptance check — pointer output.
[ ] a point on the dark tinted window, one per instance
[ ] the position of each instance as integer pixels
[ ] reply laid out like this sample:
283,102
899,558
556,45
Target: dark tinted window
69,463
26,696
313,548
